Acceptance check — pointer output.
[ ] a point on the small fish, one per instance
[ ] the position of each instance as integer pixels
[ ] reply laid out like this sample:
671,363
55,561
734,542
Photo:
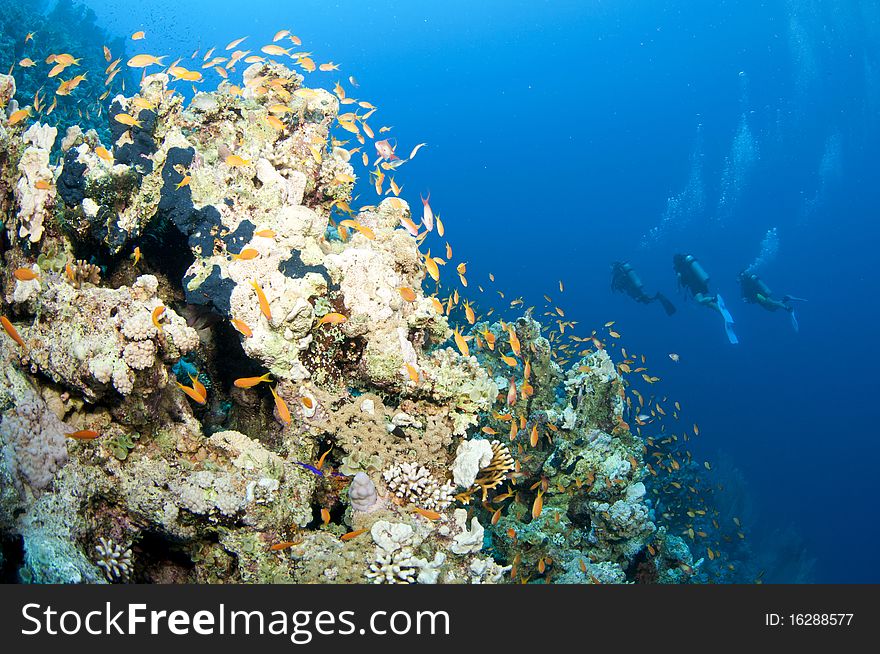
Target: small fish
427,213
265,233
136,255
277,547
310,468
264,303
83,435
407,293
413,373
127,119
384,149
275,122
461,344
511,393
137,36
144,60
246,255
674,357
275,50
183,182
432,268
193,394
198,386
157,313
234,161
433,516
538,505
416,149
332,319
353,534
325,516
250,382
25,274
103,153
27,63
235,43
281,406
17,116
242,327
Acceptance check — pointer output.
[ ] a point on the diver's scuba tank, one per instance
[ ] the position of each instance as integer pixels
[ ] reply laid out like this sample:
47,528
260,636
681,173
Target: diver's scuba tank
698,271
759,284
632,276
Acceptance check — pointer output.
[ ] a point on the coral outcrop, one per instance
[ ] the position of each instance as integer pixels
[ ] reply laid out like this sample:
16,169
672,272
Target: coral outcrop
220,379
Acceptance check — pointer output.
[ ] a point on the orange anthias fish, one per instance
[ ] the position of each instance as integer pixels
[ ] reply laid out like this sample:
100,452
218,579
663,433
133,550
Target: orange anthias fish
283,411
277,547
127,119
332,319
250,382
83,435
157,314
193,394
242,327
353,534
246,255
264,303
430,515
13,334
461,344
25,274
407,293
538,505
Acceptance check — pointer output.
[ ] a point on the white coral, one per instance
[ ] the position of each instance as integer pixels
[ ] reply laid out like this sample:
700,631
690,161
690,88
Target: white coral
470,458
139,327
415,484
139,355
468,540
362,492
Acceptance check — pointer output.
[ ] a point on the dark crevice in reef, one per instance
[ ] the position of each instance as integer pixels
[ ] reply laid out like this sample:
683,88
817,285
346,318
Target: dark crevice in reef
161,560
11,557
233,363
166,251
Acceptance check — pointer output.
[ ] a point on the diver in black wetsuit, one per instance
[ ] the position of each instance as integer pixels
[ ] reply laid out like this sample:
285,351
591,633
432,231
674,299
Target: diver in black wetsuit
694,279
755,291
625,280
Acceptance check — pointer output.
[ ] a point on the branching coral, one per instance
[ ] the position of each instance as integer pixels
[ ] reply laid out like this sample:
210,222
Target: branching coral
113,559
415,484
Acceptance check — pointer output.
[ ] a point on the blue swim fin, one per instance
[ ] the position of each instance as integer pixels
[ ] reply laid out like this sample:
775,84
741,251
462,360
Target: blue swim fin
723,309
728,328
794,322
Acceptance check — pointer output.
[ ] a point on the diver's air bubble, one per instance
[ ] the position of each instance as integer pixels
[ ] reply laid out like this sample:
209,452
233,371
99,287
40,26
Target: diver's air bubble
830,172
685,205
738,166
769,250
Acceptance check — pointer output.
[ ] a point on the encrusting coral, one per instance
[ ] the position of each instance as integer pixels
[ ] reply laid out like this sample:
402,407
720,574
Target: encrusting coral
269,393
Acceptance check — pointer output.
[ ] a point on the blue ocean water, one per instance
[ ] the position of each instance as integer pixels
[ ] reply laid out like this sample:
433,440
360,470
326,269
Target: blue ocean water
566,135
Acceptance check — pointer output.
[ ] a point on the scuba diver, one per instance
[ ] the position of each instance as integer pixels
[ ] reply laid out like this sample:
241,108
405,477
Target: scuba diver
694,278
755,291
625,280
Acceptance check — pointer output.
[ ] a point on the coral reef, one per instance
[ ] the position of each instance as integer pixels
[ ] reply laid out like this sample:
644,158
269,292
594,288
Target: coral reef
218,382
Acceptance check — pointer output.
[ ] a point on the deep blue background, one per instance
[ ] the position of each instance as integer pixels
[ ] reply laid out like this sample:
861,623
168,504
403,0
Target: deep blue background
557,132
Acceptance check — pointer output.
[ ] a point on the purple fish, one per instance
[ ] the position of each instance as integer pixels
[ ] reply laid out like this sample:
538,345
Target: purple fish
310,467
